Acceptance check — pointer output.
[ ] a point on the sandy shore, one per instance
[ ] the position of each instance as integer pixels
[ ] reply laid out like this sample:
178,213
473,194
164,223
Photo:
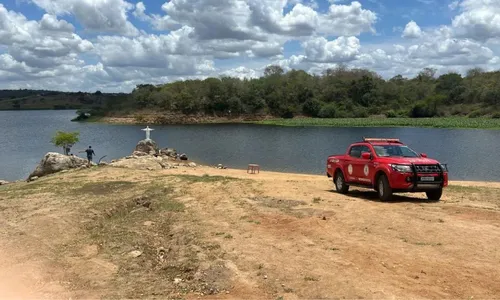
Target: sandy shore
196,233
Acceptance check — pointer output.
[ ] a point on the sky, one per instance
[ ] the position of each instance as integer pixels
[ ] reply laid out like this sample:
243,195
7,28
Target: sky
114,45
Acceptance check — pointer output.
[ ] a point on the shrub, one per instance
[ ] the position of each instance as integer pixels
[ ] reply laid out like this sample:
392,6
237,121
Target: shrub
288,112
328,111
140,119
311,107
476,113
161,120
496,115
360,112
391,114
422,110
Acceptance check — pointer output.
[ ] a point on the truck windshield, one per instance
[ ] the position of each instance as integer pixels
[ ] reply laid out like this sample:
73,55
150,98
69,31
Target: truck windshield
394,150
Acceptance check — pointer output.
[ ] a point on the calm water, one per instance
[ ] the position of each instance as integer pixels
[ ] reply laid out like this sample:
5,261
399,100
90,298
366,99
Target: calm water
25,138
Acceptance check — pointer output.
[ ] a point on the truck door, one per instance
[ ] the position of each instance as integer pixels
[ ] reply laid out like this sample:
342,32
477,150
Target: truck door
351,164
364,168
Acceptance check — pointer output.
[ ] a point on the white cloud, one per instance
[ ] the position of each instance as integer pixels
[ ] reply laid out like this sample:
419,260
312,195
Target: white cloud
39,45
412,31
256,19
241,72
342,49
95,15
348,20
190,38
479,20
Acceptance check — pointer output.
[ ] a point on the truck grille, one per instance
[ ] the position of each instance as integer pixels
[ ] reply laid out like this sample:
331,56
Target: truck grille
427,169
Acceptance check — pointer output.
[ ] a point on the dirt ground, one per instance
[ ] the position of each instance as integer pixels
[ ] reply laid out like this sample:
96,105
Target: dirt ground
196,233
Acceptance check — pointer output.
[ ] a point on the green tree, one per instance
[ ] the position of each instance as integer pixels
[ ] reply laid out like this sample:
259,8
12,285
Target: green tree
311,108
328,111
66,140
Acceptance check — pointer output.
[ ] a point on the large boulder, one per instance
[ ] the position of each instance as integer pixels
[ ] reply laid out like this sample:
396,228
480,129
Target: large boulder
3,182
147,146
170,152
54,162
140,163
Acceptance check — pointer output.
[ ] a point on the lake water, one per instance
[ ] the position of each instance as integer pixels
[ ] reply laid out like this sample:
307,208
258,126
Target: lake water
25,138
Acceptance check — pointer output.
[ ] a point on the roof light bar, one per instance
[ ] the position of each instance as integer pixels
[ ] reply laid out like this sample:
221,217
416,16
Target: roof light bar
381,140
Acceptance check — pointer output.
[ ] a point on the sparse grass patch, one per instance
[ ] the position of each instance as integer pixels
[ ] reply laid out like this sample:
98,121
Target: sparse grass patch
206,178
310,278
20,190
103,188
405,240
169,249
317,200
253,221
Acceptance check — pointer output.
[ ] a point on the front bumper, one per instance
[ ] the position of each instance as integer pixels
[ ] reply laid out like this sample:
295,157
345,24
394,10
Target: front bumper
418,182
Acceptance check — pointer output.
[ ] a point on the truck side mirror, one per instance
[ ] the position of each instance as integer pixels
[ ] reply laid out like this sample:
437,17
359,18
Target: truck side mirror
366,155
423,155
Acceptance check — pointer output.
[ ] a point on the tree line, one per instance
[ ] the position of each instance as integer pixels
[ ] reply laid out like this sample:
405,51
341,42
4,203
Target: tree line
336,93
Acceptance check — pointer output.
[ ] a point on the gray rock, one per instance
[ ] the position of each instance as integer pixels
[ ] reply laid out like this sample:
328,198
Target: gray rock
103,163
33,178
147,162
192,165
139,153
147,146
170,152
135,253
165,165
3,182
55,162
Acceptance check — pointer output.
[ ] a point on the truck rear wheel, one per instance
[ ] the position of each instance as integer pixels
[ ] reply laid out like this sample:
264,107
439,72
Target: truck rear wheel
384,188
340,184
434,195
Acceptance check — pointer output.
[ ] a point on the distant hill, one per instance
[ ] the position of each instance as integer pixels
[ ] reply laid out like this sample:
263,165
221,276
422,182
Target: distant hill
41,99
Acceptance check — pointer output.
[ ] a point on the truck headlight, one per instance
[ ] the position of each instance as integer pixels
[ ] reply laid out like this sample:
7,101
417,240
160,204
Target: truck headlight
444,167
401,168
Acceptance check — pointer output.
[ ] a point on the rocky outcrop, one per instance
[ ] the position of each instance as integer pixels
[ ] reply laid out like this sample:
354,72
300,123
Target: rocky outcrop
170,152
4,182
55,162
147,146
139,153
149,162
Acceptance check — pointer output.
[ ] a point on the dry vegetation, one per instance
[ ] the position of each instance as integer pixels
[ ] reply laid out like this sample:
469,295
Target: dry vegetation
182,234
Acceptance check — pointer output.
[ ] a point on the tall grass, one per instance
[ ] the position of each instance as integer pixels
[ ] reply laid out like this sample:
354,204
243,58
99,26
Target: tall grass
449,122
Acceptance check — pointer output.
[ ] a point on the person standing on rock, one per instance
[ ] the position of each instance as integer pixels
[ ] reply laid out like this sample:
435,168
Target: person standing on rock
90,152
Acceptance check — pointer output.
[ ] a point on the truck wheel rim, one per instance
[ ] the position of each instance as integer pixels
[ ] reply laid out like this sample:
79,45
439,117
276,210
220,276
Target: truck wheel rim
339,182
381,188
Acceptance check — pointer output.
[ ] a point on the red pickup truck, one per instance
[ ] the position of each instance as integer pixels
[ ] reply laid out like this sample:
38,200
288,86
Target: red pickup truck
387,166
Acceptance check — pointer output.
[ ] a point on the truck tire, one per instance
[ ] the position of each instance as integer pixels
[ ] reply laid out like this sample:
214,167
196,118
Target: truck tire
384,189
340,184
434,195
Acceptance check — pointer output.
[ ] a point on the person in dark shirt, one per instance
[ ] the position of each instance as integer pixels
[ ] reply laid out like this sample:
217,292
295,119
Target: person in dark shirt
90,152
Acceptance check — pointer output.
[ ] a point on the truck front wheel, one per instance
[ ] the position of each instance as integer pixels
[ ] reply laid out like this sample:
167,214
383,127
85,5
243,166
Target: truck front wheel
383,188
340,184
434,195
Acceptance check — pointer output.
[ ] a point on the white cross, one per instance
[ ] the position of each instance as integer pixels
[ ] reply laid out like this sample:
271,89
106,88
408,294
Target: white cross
148,132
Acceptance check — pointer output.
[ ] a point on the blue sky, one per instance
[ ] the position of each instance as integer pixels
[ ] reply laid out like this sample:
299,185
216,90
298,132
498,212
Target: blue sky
112,45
